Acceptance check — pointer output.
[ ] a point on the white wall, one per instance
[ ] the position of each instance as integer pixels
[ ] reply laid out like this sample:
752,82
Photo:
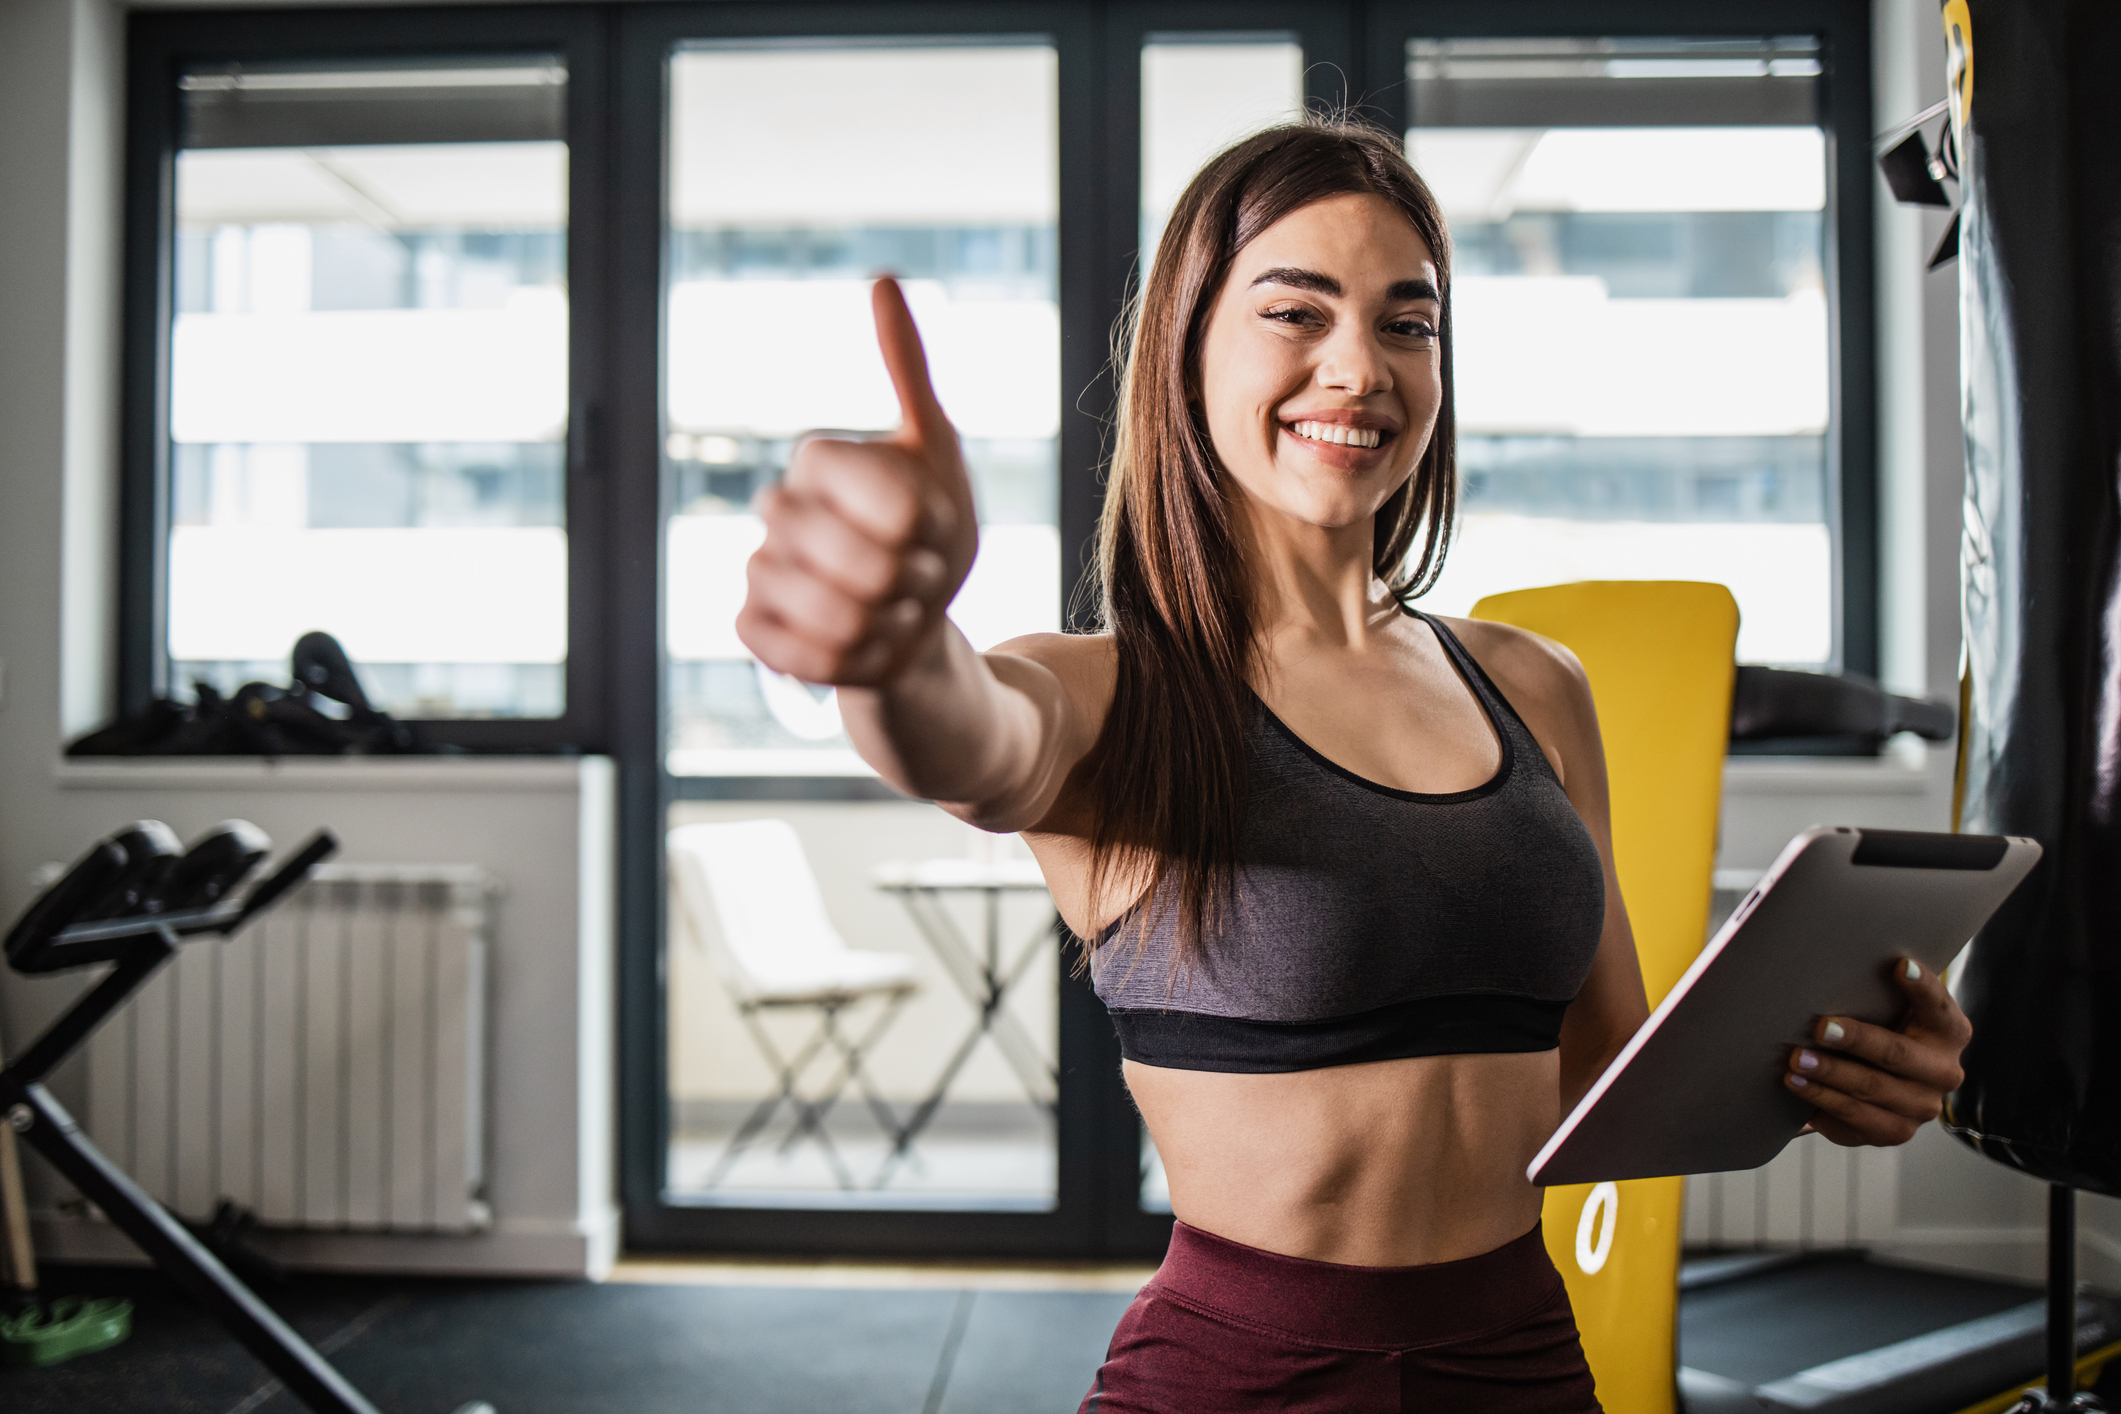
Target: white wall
543,827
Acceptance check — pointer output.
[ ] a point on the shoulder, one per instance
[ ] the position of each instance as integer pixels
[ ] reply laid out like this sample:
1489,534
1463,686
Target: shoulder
1086,665
1523,663
1543,681
1086,659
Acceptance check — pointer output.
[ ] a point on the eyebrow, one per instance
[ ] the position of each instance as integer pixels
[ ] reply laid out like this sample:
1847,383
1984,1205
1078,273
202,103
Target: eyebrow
1323,284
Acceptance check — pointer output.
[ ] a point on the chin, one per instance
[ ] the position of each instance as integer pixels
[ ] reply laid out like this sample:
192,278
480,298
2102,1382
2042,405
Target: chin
1333,514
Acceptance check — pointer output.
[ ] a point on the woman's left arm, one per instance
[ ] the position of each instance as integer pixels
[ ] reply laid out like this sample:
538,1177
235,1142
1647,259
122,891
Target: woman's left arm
1868,1084
1878,1085
1547,686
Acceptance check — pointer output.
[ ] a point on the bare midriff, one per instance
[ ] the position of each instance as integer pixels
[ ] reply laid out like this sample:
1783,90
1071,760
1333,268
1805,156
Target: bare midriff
1385,1164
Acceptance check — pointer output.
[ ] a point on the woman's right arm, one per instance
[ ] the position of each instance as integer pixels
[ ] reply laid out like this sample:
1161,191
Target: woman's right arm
866,544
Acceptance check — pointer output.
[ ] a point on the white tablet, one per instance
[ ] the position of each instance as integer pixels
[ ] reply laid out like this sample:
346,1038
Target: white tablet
1699,1088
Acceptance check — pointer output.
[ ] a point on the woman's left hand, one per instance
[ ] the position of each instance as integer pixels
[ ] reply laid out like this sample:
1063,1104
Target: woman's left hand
1871,1085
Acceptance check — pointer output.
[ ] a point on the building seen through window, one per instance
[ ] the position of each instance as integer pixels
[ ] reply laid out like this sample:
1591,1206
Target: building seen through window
1640,319
369,383
852,162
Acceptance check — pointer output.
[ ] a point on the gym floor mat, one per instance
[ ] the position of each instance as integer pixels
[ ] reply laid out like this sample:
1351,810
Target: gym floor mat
425,1347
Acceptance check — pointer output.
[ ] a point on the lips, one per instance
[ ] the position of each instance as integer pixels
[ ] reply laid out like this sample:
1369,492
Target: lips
1338,434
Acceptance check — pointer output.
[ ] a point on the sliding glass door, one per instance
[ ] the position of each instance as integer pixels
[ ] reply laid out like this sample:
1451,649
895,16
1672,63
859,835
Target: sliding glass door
911,1062
863,1011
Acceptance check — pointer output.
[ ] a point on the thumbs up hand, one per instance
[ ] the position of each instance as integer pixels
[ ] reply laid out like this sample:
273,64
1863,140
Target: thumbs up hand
866,542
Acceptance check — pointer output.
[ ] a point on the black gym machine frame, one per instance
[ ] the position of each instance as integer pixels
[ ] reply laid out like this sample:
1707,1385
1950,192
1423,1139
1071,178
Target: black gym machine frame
2061,1395
132,901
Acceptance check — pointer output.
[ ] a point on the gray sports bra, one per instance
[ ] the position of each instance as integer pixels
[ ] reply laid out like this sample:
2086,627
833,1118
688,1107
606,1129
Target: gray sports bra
1372,923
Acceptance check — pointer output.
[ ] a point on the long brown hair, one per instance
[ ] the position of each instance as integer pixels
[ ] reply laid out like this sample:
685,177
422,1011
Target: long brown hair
1166,781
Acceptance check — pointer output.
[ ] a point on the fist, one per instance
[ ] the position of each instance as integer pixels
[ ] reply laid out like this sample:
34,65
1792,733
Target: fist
866,542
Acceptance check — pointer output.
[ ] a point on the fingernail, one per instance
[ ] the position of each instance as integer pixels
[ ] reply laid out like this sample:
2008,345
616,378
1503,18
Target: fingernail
1806,1060
1800,1082
1914,970
1832,1032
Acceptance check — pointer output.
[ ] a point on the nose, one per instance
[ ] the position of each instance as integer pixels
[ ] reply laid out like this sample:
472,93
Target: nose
1352,362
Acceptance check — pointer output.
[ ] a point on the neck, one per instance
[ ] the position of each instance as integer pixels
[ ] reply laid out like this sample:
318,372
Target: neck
1310,583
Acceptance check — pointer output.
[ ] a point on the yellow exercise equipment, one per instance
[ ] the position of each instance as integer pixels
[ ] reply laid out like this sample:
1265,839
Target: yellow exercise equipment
1660,656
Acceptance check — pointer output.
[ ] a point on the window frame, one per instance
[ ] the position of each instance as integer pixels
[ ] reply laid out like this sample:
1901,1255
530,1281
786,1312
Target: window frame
160,47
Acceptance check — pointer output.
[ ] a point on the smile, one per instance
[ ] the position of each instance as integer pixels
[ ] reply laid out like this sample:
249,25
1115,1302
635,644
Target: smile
1338,435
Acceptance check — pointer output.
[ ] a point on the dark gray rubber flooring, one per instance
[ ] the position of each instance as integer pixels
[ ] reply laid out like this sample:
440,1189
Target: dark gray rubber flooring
1772,1324
427,1347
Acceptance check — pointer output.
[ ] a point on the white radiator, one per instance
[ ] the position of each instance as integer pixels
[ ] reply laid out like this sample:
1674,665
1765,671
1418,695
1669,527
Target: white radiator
324,1068
1813,1194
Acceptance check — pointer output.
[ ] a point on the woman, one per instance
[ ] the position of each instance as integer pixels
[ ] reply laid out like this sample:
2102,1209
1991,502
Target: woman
1347,867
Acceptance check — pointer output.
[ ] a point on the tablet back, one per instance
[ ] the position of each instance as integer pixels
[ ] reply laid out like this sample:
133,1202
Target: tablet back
1699,1089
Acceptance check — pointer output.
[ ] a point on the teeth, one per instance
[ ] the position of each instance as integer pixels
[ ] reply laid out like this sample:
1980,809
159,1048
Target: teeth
1338,435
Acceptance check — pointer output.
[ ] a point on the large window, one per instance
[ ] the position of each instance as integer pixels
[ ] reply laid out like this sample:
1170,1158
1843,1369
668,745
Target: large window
1640,319
468,334
368,381
796,176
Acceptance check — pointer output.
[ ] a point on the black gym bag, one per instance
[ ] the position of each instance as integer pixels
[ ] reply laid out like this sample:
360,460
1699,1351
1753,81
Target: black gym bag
264,720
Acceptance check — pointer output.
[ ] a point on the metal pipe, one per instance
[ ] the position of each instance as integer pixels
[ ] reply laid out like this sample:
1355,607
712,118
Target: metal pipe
2061,1294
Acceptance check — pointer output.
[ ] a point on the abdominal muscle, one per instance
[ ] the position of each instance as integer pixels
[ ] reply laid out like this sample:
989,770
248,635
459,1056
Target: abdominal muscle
1385,1164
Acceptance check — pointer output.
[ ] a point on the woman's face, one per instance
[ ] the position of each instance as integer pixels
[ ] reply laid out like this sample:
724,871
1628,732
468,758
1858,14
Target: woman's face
1321,366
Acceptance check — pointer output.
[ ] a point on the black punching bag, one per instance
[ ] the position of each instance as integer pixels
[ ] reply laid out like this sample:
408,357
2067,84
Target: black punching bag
2037,103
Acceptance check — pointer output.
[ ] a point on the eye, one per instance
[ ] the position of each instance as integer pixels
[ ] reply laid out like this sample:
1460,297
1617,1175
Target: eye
1293,314
1412,326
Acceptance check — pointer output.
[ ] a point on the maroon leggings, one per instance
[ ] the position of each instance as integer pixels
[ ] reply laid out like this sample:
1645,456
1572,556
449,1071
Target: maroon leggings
1229,1328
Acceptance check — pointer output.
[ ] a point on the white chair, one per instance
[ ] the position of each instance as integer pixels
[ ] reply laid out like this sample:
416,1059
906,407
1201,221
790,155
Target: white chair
747,896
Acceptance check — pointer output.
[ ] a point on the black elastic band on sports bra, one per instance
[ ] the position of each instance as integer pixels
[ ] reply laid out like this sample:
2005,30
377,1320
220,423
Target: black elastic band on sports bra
1478,1023
1476,677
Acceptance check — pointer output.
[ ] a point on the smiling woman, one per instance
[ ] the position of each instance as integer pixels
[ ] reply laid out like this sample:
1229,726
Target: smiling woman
1285,203
1345,868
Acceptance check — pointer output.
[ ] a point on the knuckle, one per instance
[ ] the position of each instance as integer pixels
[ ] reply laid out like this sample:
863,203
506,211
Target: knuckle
898,510
747,632
868,573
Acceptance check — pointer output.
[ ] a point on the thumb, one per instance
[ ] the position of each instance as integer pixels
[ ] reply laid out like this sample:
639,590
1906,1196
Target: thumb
1930,1003
922,422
